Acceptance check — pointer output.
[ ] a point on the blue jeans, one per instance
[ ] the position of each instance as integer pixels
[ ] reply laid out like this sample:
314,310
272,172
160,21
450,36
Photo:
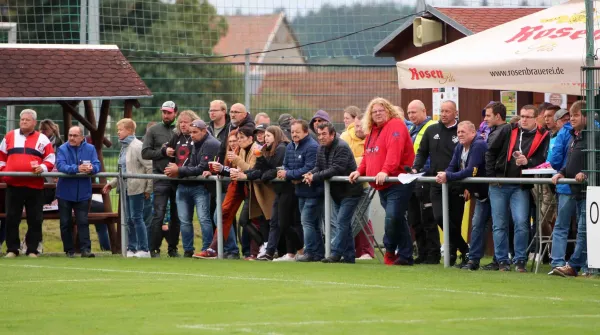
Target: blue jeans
342,239
148,206
565,211
136,229
517,199
394,201
311,210
188,197
579,258
231,246
479,222
103,238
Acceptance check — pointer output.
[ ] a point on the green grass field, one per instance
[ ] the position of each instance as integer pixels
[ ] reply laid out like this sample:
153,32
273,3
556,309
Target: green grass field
112,295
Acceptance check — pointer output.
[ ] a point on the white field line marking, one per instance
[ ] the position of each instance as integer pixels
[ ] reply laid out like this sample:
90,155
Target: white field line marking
231,326
304,282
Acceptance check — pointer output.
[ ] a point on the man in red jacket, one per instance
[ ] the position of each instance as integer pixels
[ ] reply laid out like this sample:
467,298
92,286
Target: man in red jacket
388,152
25,150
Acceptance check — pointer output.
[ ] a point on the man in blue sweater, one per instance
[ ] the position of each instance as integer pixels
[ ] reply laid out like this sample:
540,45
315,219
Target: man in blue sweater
74,194
468,160
301,158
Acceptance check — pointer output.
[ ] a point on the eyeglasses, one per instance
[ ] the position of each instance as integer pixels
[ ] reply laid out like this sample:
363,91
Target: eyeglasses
234,112
214,110
380,111
319,120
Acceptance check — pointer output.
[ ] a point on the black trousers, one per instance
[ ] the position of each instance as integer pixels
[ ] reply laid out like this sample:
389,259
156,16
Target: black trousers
164,191
288,217
456,203
420,218
81,208
33,200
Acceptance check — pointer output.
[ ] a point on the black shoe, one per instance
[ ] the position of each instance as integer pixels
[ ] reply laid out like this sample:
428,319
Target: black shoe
435,260
493,266
70,254
420,260
174,254
504,267
232,256
332,259
520,266
306,258
464,259
403,261
155,254
87,254
188,254
453,259
471,266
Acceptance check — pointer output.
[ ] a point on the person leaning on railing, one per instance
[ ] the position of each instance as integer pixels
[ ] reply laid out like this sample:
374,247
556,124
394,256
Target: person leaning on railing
388,152
75,194
25,150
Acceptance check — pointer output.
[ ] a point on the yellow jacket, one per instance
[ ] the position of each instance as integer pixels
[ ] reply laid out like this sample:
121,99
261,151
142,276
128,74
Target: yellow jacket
356,144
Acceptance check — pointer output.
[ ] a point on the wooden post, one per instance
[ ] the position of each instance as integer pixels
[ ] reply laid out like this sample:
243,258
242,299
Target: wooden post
128,109
67,122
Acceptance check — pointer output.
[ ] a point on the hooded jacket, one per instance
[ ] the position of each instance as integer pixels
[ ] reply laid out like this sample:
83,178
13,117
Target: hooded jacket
321,114
438,145
299,159
337,160
499,160
247,121
387,149
357,145
557,157
473,167
222,137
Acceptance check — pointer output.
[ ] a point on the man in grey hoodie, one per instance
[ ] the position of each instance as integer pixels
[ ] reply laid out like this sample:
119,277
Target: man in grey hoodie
321,116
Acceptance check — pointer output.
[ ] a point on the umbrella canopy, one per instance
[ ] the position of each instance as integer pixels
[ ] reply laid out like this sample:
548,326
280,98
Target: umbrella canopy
541,52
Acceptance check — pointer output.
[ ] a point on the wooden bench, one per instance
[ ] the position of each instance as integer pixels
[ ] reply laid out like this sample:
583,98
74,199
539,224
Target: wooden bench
107,217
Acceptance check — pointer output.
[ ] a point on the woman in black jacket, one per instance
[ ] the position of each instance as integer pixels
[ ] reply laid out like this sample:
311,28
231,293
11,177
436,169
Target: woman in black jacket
286,216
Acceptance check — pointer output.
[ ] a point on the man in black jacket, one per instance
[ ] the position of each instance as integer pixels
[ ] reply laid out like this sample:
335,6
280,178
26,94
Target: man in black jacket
438,145
239,118
155,142
195,192
335,158
516,147
576,158
219,120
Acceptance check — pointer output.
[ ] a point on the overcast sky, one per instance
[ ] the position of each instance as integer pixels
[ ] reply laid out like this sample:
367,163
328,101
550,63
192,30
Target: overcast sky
293,7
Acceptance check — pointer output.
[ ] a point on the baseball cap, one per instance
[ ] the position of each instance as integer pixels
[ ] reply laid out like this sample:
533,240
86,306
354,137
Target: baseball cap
169,106
261,127
199,124
560,113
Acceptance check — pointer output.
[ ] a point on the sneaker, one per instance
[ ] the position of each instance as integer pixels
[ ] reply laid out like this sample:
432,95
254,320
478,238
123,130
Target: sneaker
464,259
306,258
70,254
232,256
142,254
87,254
263,250
130,254
206,254
389,258
11,255
520,266
32,255
154,254
471,266
586,275
188,254
173,254
285,258
493,266
250,258
332,259
265,257
564,271
504,267
366,257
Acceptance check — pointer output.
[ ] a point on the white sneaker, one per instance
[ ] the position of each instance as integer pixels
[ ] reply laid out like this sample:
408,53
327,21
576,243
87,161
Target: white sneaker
130,254
285,258
142,254
365,257
263,250
10,255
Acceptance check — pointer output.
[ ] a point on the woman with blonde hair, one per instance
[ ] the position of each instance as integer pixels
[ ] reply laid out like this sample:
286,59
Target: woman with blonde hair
50,129
388,152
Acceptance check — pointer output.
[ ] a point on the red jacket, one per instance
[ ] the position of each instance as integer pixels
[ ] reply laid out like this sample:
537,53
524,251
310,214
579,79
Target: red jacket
18,151
387,149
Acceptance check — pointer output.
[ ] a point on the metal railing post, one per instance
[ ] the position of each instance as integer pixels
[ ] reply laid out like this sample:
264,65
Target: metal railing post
327,218
446,225
123,199
219,210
